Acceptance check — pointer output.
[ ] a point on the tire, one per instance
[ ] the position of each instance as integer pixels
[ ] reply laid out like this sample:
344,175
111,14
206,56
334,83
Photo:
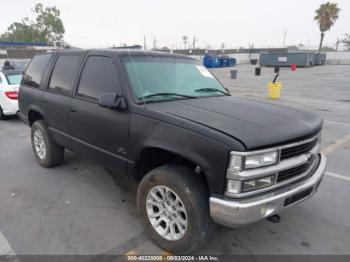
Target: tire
2,116
48,154
194,196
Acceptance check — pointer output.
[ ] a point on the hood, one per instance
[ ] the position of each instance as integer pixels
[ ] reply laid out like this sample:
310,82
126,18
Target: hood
253,123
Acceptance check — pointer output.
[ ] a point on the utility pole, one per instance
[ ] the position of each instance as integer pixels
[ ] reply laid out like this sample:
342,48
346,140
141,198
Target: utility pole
222,47
284,38
144,42
337,44
185,40
154,43
194,42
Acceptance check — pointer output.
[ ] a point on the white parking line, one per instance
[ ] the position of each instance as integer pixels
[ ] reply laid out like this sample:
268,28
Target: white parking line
5,248
338,176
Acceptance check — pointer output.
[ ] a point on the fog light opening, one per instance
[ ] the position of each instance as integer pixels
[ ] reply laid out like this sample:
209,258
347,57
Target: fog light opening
266,209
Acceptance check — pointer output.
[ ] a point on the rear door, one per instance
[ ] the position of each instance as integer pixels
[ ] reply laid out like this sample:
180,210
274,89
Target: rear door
31,89
95,131
56,100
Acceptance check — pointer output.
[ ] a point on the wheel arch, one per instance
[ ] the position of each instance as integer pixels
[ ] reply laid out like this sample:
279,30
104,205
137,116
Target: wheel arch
151,157
34,114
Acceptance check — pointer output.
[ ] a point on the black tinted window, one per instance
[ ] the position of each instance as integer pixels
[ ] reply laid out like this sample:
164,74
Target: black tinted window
63,75
36,70
98,76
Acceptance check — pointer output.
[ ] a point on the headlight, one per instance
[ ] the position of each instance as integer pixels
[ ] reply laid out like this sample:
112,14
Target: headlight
261,160
237,186
257,183
238,171
239,162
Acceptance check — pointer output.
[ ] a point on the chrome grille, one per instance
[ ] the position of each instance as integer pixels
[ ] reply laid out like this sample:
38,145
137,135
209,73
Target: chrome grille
298,149
293,172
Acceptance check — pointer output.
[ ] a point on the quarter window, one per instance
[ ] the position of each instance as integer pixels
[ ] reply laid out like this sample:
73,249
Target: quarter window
36,70
63,75
98,76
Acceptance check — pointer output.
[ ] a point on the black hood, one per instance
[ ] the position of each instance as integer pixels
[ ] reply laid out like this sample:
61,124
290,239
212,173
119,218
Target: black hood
256,124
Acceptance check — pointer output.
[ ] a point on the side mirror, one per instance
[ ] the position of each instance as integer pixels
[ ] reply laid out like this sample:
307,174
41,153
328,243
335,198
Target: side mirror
112,100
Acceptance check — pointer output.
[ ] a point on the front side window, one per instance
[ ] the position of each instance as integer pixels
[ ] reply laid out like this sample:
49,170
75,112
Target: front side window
36,70
99,76
63,75
170,78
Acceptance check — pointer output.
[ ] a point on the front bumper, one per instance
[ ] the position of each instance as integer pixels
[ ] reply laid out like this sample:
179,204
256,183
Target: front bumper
239,212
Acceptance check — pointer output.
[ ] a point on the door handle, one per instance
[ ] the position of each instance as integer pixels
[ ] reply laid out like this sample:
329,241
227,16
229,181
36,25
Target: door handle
73,109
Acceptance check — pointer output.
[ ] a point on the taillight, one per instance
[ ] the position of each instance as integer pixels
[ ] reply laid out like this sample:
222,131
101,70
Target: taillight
13,95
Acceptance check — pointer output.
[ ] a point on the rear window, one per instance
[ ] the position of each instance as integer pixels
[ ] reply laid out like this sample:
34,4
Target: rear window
36,70
63,75
14,79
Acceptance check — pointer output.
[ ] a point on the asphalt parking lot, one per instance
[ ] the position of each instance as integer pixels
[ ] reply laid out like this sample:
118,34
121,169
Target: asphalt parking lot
80,208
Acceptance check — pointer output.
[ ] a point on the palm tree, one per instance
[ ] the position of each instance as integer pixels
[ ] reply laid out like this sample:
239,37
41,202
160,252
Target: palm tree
326,15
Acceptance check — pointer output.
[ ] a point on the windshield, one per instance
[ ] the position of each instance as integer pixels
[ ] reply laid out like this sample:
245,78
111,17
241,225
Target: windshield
164,78
14,79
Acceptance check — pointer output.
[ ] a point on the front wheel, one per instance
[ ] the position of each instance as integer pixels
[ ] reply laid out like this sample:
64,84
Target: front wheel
173,205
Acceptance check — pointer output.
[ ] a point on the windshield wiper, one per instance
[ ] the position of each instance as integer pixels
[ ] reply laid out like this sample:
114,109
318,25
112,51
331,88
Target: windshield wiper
209,89
167,94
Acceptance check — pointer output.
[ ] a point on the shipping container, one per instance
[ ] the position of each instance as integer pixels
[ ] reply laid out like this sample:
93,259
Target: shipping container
320,59
301,59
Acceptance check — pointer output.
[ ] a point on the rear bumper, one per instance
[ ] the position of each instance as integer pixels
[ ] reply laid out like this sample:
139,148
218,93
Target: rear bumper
239,212
10,108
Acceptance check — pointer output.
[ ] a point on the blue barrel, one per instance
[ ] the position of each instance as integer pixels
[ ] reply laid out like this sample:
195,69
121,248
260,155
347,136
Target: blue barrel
223,61
211,61
231,62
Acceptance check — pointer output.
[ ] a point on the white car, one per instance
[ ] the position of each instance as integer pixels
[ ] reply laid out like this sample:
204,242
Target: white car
9,85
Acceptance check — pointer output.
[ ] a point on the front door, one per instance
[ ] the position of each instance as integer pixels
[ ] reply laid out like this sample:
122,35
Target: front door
95,131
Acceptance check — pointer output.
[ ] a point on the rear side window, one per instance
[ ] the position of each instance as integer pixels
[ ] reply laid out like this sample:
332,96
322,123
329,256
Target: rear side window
36,70
63,75
98,76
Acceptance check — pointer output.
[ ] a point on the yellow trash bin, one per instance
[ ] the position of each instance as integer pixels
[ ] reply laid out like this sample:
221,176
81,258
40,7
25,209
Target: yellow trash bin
274,90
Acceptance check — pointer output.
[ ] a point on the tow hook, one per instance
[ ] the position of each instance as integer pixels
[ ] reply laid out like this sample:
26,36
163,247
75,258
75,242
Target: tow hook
274,219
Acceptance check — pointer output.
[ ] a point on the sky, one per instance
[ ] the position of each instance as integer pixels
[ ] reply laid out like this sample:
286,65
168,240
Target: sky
236,23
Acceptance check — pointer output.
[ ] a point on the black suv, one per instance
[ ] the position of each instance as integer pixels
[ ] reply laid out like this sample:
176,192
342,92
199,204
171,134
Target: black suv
202,155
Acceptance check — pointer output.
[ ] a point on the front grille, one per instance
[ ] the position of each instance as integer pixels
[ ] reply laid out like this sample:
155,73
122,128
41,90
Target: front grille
293,172
298,196
297,150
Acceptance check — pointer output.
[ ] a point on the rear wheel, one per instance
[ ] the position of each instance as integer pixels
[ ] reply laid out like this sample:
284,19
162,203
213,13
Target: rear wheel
46,151
173,204
2,116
